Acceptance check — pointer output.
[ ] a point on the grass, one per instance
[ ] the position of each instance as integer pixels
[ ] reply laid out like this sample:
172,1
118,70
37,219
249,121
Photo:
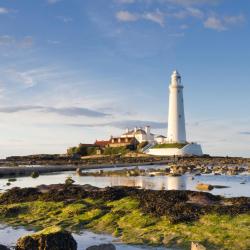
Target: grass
170,145
124,219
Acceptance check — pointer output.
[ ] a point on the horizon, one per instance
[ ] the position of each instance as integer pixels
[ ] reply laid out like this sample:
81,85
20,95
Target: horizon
74,72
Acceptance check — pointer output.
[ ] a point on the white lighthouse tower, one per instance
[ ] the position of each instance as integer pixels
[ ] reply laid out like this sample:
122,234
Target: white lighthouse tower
176,142
176,116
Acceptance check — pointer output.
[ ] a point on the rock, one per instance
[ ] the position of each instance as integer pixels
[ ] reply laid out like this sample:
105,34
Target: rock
220,186
197,246
2,247
35,174
204,187
102,247
51,238
79,171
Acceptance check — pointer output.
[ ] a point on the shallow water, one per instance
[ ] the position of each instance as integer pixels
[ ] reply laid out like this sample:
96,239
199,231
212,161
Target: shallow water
185,182
10,235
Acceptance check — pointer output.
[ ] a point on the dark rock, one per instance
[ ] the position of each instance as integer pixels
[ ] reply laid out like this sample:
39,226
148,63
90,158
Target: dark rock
16,194
2,247
102,247
53,238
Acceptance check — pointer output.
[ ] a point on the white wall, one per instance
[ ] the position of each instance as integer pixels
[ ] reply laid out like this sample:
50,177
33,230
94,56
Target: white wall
189,149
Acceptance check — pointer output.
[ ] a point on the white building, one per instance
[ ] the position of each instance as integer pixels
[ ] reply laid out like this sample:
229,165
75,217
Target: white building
141,135
175,143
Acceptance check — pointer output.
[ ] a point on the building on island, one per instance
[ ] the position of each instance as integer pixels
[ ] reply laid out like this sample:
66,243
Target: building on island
142,139
128,142
141,135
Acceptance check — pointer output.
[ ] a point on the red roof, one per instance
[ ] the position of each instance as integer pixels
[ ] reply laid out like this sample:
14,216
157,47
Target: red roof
101,143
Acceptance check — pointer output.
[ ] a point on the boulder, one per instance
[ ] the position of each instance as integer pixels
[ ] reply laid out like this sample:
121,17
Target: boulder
197,246
51,238
2,247
102,247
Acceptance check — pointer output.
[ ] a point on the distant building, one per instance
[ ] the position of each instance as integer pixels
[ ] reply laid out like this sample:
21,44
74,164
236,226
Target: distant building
129,142
160,139
101,144
141,135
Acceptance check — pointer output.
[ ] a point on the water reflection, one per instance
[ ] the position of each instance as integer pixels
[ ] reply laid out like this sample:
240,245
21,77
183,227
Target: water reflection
155,183
177,183
10,235
188,182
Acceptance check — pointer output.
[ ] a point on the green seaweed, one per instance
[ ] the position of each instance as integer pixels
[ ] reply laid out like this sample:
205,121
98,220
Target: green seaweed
123,218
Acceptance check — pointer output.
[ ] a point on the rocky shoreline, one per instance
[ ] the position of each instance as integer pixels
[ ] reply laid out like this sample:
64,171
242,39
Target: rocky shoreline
163,217
25,165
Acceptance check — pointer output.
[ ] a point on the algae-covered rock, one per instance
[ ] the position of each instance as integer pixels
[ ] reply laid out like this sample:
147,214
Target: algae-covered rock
35,174
204,187
102,247
53,238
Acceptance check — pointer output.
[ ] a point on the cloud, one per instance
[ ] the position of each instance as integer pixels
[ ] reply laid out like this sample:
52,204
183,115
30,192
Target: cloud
4,10
126,16
234,20
189,12
54,42
6,40
157,17
125,124
223,23
26,78
64,19
25,42
64,111
215,24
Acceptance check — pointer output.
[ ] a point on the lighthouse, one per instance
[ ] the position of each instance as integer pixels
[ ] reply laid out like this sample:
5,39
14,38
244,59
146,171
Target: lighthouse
176,142
176,115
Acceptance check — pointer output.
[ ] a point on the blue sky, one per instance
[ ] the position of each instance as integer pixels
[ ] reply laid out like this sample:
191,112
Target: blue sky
74,71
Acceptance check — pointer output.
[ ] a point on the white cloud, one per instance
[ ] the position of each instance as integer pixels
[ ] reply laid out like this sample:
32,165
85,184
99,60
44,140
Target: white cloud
25,42
126,16
54,42
4,10
157,17
65,19
194,12
234,19
189,12
215,24
223,23
6,40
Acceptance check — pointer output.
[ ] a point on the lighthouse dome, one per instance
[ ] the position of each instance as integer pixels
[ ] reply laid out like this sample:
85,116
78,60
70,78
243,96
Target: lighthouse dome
175,78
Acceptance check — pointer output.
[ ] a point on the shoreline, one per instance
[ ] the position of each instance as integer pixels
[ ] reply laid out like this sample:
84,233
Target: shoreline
26,165
27,170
